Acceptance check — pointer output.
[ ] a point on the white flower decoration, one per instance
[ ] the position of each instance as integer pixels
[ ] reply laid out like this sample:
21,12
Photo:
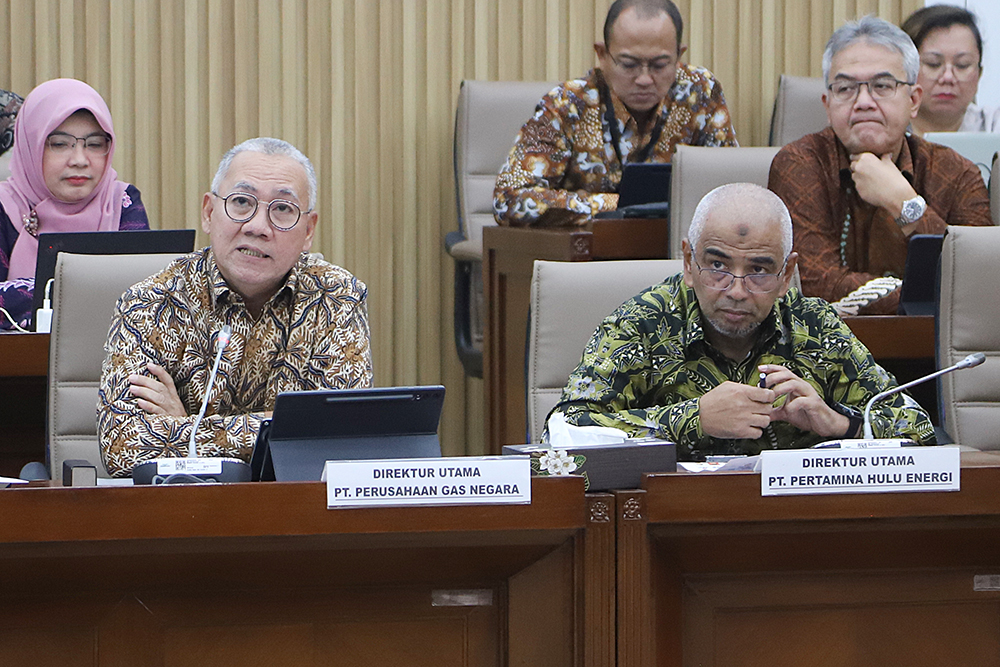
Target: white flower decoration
557,462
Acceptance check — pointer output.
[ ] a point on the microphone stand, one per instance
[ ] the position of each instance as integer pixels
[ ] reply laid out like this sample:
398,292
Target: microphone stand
970,361
231,469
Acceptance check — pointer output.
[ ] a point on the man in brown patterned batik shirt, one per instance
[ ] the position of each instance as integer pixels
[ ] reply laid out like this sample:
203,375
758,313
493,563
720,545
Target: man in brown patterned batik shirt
298,322
566,163
860,188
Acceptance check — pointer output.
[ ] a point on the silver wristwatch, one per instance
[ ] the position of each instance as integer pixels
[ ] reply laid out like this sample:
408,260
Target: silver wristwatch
913,210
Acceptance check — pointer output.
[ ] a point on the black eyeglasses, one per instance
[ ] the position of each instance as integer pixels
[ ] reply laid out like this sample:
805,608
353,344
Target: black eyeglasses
881,87
758,283
242,207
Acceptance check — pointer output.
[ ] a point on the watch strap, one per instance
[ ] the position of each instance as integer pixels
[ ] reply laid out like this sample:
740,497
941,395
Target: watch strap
854,416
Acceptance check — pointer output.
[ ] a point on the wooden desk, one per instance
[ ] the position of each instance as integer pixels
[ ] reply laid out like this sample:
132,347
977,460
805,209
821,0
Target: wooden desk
508,259
909,337
24,355
24,366
264,574
713,574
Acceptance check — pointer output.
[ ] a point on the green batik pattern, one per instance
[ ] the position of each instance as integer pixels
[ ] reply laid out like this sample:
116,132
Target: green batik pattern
648,363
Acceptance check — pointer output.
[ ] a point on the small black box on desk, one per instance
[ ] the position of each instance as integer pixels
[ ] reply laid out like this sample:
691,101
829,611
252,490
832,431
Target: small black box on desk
77,472
604,467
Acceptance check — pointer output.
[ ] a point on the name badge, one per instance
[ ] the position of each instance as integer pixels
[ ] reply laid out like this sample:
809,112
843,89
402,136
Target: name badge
820,471
483,480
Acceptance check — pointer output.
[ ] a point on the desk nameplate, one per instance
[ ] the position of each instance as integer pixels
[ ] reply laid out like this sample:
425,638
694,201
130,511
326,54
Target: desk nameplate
484,480
823,471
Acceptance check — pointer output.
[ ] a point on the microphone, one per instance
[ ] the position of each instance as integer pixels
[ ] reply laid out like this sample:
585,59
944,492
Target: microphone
221,341
969,362
194,469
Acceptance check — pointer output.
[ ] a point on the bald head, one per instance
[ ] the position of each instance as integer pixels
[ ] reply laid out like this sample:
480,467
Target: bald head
746,205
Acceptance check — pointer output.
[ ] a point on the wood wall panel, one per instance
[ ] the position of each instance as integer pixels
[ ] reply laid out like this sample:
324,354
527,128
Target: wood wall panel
368,90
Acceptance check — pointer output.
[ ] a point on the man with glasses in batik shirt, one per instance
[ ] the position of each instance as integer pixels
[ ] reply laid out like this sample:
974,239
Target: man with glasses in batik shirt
725,358
860,188
566,164
298,322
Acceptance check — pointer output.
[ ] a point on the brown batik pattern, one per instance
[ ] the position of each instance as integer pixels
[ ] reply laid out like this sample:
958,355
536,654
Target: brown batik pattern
563,157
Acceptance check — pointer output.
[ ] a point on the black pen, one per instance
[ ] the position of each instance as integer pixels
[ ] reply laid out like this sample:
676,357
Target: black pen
763,381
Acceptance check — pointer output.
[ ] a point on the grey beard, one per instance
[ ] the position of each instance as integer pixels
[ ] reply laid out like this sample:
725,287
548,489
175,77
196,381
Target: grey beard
744,332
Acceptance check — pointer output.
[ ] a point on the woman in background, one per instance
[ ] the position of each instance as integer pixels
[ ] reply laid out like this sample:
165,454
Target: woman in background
61,181
951,62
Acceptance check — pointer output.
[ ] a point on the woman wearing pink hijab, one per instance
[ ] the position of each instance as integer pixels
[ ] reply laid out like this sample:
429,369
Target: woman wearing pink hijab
61,181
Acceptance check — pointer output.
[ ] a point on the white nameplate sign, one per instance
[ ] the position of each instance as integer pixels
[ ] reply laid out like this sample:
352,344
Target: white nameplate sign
466,480
820,471
180,466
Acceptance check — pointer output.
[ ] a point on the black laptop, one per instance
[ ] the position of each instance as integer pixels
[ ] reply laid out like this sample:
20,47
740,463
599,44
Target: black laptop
309,428
139,242
644,191
918,295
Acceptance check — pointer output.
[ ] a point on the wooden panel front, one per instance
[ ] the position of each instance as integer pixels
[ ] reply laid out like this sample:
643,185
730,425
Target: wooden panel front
265,574
297,625
841,619
737,579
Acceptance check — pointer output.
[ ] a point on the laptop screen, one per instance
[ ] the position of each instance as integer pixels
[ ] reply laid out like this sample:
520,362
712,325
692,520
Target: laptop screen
977,147
309,428
139,242
644,183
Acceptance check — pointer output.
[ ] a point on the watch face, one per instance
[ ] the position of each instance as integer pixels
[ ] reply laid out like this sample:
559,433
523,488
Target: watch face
913,208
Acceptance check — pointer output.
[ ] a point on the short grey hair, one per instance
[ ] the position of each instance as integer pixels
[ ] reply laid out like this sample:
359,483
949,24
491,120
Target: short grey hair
874,31
746,195
267,146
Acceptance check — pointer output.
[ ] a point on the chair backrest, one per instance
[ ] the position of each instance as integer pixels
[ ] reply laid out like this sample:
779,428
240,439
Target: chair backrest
798,109
967,323
995,189
699,170
86,290
568,301
488,118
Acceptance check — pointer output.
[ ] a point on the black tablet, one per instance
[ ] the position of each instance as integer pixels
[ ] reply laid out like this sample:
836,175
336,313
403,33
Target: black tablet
309,428
918,295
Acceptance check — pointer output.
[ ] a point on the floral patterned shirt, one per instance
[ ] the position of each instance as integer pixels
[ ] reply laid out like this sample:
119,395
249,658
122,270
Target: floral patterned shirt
649,362
313,334
563,157
16,295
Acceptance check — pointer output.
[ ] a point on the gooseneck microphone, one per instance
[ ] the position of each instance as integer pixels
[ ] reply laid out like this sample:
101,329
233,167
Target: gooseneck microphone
972,360
195,469
225,335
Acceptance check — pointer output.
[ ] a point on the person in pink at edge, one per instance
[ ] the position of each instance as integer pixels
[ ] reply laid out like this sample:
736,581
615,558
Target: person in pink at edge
61,181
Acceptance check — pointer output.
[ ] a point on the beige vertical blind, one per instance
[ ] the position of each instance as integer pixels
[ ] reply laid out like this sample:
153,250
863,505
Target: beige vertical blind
367,90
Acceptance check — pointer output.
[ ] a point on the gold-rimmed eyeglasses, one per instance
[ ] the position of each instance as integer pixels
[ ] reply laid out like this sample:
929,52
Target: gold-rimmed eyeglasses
94,144
962,70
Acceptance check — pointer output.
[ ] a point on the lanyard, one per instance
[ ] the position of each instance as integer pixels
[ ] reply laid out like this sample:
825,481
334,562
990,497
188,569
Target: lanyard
616,136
